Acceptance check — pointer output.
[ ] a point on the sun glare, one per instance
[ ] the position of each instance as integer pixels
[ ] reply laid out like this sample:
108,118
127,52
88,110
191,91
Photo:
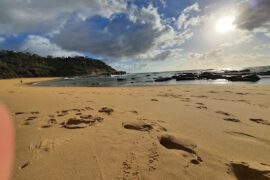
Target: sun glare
225,24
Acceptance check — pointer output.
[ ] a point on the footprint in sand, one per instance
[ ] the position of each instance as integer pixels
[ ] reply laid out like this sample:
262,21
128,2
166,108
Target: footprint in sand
45,145
153,157
26,123
62,114
137,125
173,143
223,113
265,164
46,126
232,120
89,108
25,165
260,121
183,99
134,112
106,110
212,92
243,171
74,123
201,96
50,123
29,120
35,112
228,117
202,107
19,113
156,125
247,136
242,94
130,169
82,122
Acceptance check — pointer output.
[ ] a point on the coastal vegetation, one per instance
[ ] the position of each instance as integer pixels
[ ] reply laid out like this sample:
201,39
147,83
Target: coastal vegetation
20,64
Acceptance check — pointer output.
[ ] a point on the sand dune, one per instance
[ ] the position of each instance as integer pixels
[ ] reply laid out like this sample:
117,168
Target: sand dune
169,132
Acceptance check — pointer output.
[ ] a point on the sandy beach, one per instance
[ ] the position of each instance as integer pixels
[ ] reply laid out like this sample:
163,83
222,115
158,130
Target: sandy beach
136,133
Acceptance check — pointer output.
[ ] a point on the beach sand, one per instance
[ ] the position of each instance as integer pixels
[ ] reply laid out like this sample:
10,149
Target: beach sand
170,132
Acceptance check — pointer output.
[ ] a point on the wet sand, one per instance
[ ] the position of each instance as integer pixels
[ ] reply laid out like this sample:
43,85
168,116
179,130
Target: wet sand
169,132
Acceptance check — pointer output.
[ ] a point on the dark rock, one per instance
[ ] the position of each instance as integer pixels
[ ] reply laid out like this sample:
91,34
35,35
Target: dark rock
95,84
121,79
266,73
186,77
250,78
235,72
163,79
209,75
245,71
235,78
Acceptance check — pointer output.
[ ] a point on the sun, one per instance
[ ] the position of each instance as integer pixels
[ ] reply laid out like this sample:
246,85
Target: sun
225,24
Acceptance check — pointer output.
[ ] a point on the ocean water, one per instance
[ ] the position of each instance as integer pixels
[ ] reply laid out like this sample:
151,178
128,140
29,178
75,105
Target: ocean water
145,79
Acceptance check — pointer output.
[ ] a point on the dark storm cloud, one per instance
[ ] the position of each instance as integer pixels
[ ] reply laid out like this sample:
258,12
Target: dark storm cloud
253,14
122,36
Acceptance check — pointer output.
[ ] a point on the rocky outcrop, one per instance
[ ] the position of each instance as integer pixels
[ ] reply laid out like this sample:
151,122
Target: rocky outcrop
266,73
212,76
186,77
250,78
163,79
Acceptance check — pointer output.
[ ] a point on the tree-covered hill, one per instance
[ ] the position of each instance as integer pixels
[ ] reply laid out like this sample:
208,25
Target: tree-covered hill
19,64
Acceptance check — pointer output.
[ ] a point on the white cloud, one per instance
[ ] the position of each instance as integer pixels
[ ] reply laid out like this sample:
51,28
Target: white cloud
241,37
172,39
2,39
187,18
43,47
218,59
204,56
17,16
159,55
262,46
148,15
265,30
163,3
193,8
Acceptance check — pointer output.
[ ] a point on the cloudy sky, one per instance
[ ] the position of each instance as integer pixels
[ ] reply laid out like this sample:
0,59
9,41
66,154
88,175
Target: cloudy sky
141,35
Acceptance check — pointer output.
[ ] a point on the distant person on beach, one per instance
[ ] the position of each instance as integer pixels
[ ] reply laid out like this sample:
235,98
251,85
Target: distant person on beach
6,144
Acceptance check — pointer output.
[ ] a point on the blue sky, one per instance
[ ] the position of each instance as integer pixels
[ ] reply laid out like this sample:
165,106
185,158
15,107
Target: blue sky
139,35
